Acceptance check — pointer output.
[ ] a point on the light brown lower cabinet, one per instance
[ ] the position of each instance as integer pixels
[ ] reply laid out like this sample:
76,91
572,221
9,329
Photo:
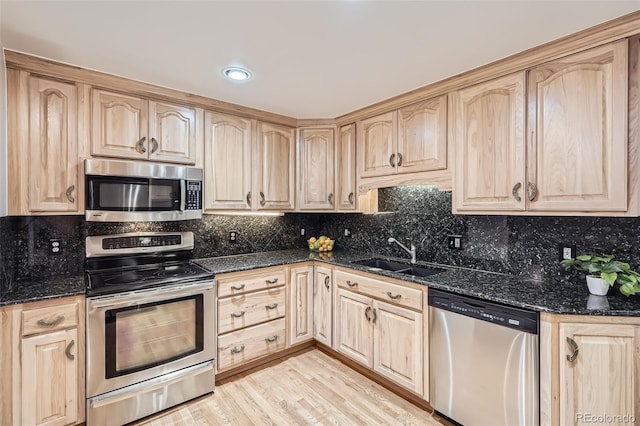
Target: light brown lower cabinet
589,370
323,305
300,306
42,363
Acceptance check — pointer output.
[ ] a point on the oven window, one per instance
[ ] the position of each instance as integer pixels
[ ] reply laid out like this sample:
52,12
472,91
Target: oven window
132,194
148,335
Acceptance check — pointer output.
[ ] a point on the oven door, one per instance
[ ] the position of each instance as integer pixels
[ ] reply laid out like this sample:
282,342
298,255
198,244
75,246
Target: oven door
137,336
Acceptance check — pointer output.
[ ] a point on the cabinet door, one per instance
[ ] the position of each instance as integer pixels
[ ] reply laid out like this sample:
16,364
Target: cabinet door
301,305
488,132
377,145
119,125
322,303
172,133
601,378
53,146
49,379
353,331
346,168
275,166
422,136
227,165
398,345
315,169
577,156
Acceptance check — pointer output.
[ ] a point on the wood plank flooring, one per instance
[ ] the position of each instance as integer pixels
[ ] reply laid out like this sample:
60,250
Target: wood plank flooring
310,388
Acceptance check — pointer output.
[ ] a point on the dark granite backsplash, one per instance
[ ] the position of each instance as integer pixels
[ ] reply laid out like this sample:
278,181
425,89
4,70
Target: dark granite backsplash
420,215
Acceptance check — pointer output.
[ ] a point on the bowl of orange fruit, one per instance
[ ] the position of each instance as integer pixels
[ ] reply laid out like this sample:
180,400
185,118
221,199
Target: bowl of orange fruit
321,244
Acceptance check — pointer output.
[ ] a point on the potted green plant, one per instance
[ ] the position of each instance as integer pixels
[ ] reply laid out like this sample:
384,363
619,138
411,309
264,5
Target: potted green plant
604,272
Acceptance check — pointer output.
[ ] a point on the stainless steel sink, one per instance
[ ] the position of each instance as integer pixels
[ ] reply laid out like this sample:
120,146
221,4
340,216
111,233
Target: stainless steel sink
401,268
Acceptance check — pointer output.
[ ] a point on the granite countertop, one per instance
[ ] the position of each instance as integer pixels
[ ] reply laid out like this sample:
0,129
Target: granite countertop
539,295
24,291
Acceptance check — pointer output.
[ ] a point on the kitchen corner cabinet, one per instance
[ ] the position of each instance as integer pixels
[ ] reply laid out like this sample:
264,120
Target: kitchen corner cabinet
316,169
43,149
275,167
576,151
228,160
42,363
124,126
300,305
345,173
322,305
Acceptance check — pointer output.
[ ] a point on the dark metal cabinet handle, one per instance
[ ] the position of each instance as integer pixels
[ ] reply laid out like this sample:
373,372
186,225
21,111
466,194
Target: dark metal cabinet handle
272,306
515,190
351,198
533,191
366,313
249,198
393,296
326,282
263,200
399,159
392,160
67,351
330,198
574,348
271,339
140,145
272,281
58,320
155,144
236,350
238,315
238,287
350,284
375,315
70,193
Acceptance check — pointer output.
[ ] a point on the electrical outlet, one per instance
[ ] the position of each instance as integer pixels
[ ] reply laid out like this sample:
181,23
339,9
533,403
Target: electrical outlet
566,251
55,246
455,242
347,232
233,236
302,232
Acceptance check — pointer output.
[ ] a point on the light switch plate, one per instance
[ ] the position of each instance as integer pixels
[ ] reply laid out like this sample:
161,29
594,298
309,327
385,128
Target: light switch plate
566,251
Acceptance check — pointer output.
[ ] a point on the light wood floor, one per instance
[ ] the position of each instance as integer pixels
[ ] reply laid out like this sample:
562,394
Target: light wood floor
309,388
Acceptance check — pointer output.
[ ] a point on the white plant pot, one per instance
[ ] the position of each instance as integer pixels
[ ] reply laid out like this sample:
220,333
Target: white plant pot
597,286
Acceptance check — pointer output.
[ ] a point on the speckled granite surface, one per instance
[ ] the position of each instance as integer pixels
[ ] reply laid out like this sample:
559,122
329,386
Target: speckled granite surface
563,297
43,288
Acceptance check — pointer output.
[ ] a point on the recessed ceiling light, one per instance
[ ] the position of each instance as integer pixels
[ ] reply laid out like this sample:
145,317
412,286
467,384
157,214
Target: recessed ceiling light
236,73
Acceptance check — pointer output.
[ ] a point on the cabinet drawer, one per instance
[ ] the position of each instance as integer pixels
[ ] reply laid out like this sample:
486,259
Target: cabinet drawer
244,345
48,319
246,282
393,293
252,308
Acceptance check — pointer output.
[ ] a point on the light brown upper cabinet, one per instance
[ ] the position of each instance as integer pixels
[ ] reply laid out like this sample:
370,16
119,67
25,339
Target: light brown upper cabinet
125,126
227,165
575,140
275,167
411,139
315,169
43,151
346,197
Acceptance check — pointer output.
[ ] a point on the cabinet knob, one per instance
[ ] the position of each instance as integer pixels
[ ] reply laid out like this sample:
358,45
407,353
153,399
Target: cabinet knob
394,296
574,349
58,320
271,281
155,144
263,200
236,350
67,350
330,198
238,287
326,282
238,315
271,306
366,313
399,159
533,191
249,198
350,284
70,194
351,198
392,160
375,315
515,191
140,149
271,339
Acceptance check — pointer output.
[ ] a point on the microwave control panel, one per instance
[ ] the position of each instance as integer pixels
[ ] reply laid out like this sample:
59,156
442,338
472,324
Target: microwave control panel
194,195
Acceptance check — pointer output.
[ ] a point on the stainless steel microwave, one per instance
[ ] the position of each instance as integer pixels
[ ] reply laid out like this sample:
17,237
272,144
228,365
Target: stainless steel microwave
132,191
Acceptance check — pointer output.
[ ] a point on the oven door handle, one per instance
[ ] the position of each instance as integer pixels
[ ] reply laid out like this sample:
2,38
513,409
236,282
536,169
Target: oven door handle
148,296
149,385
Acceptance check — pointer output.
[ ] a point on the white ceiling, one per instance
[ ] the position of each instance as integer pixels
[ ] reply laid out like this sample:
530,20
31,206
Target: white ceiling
310,59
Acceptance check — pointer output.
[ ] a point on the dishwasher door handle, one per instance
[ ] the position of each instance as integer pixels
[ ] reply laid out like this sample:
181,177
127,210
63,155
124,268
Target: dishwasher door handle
574,348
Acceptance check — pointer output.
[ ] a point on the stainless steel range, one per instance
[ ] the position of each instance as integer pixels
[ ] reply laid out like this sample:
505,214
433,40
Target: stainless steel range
150,325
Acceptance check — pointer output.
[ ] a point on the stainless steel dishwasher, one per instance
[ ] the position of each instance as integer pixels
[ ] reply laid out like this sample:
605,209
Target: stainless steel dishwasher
484,367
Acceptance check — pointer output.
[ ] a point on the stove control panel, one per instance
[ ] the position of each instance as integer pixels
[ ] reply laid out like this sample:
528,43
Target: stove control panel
116,243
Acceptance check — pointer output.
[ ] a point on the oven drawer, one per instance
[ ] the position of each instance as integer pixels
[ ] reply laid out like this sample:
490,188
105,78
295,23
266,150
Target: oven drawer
244,345
252,308
51,318
243,282
393,293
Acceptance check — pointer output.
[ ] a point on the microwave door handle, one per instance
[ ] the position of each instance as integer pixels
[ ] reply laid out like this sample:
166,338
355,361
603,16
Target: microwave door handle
183,195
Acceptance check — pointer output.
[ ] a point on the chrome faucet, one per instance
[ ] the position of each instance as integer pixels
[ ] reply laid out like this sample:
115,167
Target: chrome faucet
412,252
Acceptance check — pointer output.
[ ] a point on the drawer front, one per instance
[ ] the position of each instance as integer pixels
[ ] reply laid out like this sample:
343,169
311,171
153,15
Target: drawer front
244,345
251,308
48,319
392,293
245,282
